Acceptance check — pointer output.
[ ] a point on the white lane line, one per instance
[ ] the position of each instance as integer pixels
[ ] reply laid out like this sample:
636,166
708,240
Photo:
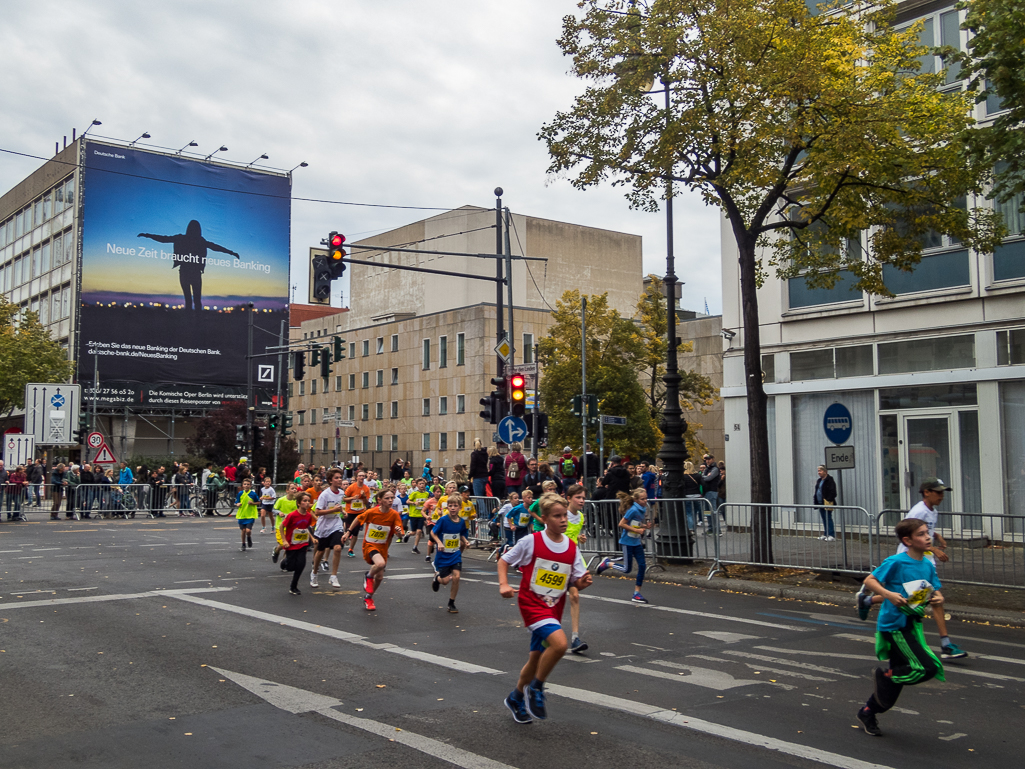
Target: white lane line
465,667
11,551
115,597
673,610
189,581
805,653
43,549
729,638
293,700
73,589
780,661
759,667
234,579
674,718
708,679
391,577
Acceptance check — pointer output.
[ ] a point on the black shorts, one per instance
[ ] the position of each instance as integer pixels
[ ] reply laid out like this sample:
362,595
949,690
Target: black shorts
416,524
348,522
329,541
445,571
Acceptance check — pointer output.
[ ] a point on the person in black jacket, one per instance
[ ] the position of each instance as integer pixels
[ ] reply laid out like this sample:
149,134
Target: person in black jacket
87,491
496,472
478,471
35,473
617,479
825,495
691,493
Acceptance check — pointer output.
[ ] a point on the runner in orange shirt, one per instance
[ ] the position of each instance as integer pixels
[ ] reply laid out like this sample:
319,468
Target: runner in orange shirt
357,500
382,523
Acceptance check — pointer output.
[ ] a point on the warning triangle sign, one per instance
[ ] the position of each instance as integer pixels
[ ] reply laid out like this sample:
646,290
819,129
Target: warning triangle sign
104,456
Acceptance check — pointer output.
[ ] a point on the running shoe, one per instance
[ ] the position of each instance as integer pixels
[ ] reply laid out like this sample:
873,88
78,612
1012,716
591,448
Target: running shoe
416,550
868,721
294,591
578,646
274,558
603,564
864,601
333,581
325,567
519,710
313,580
368,602
249,541
638,598
428,558
405,539
243,548
263,530
534,699
952,652
452,607
830,539
435,584
368,583
351,554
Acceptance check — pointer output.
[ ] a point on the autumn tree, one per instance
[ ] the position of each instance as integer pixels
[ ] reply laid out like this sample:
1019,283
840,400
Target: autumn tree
214,440
613,347
807,130
29,354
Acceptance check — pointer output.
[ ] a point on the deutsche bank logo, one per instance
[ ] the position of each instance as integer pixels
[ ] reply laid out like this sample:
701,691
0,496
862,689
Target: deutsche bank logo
265,373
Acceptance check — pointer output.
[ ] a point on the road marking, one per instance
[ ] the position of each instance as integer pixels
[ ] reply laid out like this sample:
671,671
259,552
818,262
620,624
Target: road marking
955,668
293,700
465,667
391,577
72,589
674,718
43,549
730,638
115,597
834,655
954,736
656,648
779,661
811,621
188,581
704,677
760,667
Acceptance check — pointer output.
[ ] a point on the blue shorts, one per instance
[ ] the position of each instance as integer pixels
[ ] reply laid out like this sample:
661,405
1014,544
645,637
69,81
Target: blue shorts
539,637
246,523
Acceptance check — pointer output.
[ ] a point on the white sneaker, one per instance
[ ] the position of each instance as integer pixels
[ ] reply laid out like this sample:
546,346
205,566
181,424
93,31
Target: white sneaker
333,580
313,580
263,530
830,539
324,567
823,538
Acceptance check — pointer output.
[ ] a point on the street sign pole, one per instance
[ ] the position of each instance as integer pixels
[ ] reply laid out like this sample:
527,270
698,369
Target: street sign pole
583,380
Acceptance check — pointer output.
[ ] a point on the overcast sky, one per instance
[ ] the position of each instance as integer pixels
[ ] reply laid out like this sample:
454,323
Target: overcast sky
393,102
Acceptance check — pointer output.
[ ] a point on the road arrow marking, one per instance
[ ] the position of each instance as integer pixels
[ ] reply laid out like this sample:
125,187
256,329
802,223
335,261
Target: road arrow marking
688,674
729,638
293,700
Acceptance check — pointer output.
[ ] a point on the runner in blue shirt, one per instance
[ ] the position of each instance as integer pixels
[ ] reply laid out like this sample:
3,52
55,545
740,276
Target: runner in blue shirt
450,537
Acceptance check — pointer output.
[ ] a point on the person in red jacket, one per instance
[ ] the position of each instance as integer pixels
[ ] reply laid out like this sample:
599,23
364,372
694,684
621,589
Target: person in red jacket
295,533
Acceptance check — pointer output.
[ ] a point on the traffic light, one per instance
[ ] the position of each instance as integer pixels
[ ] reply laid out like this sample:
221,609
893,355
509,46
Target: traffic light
257,437
542,430
286,422
490,410
577,405
240,437
298,365
272,421
518,394
325,364
592,407
321,278
79,434
336,254
338,345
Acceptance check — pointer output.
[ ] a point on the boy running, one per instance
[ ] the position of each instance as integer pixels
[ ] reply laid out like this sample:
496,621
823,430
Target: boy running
329,528
908,582
416,512
382,523
451,537
267,498
295,530
282,507
357,500
932,490
550,564
432,512
246,513
519,516
575,531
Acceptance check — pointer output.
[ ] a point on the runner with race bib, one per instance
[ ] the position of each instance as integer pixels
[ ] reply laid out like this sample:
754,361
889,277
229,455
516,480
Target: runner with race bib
451,537
295,532
382,523
357,501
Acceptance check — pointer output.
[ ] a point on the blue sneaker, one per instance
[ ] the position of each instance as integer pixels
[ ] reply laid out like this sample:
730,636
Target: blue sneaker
519,710
603,565
638,598
534,699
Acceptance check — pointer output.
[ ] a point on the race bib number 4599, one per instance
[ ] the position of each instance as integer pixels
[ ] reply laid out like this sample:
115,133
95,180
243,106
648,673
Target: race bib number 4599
550,578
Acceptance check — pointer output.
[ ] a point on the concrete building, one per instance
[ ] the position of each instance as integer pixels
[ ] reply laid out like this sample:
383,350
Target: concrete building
420,347
933,377
704,332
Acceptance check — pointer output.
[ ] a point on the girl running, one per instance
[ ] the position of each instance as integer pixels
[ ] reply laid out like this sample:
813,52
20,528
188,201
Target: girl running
295,531
633,507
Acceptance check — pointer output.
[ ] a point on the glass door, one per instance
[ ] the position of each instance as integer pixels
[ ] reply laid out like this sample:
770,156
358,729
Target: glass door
927,455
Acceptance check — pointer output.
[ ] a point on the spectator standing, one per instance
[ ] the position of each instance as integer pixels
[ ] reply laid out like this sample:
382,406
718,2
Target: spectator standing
125,476
87,492
710,476
16,484
428,472
593,468
479,468
58,480
515,468
71,484
825,497
242,471
35,473
569,466
496,472
183,483
617,479
533,480
649,480
397,470
544,470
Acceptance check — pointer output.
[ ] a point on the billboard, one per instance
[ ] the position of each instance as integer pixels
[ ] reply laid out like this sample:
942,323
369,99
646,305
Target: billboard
173,252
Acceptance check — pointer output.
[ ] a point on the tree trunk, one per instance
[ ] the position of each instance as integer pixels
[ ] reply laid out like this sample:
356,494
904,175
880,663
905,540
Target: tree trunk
758,425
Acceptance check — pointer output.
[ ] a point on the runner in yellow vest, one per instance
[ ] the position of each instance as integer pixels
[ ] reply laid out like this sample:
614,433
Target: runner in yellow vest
246,513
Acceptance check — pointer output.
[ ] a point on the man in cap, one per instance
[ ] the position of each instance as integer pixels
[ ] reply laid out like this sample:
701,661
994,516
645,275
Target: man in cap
932,491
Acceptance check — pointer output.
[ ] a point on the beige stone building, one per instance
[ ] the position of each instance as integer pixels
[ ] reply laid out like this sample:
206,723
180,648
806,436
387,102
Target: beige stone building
420,347
705,333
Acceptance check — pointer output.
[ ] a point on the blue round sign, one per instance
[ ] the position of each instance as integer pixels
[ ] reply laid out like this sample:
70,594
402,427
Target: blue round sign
57,401
838,423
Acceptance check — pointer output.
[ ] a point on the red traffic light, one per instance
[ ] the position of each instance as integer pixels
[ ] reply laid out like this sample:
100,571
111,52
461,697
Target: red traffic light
335,250
518,381
337,240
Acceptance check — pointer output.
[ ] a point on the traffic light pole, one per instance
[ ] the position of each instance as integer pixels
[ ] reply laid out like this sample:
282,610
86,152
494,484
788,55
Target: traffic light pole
500,312
509,287
583,379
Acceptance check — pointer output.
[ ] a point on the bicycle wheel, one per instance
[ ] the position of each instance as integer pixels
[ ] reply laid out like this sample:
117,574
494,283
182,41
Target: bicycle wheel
225,504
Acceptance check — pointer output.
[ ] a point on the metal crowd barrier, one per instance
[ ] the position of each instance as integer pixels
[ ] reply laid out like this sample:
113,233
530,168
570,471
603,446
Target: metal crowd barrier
771,535
982,548
482,532
114,500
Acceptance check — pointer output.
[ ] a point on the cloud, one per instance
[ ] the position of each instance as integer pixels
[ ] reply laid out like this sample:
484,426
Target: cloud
398,102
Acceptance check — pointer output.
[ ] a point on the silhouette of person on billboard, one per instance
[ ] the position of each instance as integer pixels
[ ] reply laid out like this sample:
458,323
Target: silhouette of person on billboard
190,260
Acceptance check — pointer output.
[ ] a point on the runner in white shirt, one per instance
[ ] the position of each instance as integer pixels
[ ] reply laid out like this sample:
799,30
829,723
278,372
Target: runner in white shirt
328,531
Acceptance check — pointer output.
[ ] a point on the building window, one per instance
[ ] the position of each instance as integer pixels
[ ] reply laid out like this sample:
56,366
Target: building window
291,389
442,405
427,355
324,387
460,404
313,416
313,387
366,347
380,377
426,407
460,441
394,342
302,388
352,349
338,383
352,381
352,413
366,443
395,443
394,409
1011,347
828,363
443,352
426,444
302,417
366,411
380,345
1009,256
366,379
300,447
325,446
352,443
442,441
394,376
460,349
380,411
528,348
379,442
935,354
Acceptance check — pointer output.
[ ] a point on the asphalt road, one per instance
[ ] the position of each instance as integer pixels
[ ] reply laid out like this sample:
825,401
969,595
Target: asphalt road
158,644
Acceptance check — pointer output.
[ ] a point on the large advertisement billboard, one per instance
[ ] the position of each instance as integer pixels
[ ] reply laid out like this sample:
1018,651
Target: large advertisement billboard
174,251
